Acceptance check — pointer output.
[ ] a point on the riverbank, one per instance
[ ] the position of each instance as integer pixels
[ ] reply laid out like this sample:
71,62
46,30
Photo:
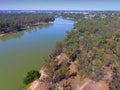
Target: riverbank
73,82
26,27
84,46
27,48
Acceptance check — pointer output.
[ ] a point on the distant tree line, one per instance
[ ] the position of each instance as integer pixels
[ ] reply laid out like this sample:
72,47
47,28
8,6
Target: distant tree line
12,22
74,16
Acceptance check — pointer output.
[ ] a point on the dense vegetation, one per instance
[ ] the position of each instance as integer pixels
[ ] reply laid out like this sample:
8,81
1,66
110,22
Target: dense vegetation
98,43
12,22
94,44
31,76
56,70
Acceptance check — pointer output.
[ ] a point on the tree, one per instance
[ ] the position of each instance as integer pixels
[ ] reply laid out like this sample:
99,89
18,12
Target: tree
31,76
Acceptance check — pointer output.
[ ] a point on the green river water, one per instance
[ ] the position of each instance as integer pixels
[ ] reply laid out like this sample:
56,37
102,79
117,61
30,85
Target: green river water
24,51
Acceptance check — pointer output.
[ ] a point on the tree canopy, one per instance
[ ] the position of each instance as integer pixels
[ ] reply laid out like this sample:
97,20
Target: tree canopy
31,76
11,22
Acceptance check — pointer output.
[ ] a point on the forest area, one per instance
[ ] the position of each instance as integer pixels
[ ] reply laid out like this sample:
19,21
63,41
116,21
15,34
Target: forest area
94,46
60,45
12,22
98,43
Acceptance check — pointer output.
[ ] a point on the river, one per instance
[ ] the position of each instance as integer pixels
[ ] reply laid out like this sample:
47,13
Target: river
24,51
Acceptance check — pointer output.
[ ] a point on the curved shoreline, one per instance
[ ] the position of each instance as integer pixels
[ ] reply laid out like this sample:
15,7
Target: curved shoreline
27,27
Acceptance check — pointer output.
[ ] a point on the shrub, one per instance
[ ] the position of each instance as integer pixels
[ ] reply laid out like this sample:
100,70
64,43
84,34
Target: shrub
31,76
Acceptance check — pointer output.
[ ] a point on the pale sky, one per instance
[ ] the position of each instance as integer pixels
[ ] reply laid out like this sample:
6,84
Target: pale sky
59,4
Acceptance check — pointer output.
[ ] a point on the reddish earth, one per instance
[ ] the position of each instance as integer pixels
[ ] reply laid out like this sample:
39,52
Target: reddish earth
72,83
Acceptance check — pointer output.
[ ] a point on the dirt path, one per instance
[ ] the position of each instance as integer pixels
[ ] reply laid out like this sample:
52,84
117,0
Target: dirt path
84,85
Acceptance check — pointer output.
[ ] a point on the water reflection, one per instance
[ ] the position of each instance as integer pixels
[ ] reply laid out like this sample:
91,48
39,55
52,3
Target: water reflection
24,51
19,34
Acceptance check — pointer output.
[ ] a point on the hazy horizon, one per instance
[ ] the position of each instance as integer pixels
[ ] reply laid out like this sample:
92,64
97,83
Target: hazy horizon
51,10
101,5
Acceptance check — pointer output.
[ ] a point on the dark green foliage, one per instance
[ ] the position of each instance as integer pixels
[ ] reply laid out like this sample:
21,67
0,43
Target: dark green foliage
11,22
98,43
31,76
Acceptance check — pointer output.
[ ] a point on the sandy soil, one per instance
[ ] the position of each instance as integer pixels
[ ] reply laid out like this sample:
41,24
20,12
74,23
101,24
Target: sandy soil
101,85
73,83
36,85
